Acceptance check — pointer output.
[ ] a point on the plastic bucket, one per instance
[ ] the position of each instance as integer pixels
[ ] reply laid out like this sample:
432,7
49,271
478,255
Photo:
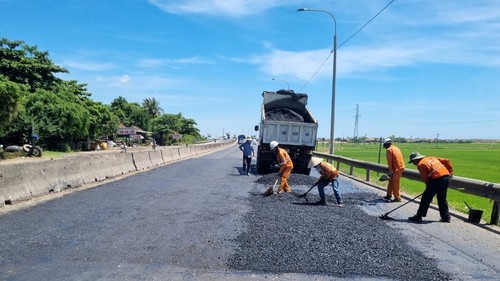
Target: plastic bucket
475,215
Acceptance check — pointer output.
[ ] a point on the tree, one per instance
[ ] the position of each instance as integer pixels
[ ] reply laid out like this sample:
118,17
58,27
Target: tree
10,95
131,114
152,106
27,65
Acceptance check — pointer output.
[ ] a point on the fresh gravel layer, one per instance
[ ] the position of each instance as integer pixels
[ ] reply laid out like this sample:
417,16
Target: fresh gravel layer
286,234
294,179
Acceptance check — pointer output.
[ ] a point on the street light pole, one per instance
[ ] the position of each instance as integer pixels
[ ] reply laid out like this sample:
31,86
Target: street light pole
332,135
288,85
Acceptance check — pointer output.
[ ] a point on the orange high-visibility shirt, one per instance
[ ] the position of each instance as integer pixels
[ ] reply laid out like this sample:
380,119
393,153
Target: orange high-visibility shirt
327,171
395,159
284,160
433,167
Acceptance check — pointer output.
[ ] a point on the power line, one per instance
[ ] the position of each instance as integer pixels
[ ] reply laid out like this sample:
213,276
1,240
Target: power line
349,38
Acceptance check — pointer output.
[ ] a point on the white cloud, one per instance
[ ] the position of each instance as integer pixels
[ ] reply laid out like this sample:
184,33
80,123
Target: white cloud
231,8
88,66
155,63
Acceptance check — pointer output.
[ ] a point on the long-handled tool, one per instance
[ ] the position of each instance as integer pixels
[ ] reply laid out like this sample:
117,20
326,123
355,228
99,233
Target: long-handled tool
305,194
269,191
386,215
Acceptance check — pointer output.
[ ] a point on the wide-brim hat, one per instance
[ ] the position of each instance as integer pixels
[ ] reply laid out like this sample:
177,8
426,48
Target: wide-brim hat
314,162
415,156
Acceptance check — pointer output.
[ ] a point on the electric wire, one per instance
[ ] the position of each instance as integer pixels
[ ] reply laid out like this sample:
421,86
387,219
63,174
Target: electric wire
349,38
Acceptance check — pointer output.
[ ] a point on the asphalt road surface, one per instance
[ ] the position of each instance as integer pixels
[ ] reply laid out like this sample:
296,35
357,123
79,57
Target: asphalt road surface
201,219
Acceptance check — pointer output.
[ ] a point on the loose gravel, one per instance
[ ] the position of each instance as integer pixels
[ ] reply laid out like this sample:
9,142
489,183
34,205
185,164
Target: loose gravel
284,114
287,234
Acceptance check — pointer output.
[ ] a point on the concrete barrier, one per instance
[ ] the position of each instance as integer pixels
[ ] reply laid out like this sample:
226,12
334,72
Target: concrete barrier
141,160
167,155
176,155
156,158
26,180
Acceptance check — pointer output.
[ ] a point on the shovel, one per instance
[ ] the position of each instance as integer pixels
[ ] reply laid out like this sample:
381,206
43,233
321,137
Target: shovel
269,191
305,194
386,215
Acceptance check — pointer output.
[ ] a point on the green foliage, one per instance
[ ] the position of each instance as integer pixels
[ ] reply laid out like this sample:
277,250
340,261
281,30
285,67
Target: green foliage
152,106
34,100
27,65
10,94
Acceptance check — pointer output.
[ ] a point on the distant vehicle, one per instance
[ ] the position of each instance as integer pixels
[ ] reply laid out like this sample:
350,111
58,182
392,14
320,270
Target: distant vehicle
241,139
286,119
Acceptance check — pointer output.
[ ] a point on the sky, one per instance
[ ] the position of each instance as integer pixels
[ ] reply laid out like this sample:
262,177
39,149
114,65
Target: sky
413,68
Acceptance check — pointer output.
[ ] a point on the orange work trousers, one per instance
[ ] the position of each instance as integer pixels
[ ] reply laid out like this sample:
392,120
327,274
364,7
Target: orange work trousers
394,186
285,174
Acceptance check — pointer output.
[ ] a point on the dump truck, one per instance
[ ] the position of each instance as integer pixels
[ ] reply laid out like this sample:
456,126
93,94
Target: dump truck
286,119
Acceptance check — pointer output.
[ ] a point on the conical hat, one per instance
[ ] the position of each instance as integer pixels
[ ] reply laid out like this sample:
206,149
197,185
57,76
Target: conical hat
314,162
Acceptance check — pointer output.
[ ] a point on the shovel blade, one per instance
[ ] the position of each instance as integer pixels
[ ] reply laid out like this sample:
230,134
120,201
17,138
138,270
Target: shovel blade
268,192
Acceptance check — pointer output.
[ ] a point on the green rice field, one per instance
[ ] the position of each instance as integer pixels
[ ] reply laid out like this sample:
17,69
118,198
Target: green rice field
479,161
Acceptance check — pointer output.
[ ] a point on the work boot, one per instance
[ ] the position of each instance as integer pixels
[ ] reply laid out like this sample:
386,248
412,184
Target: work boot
445,220
322,201
387,197
415,218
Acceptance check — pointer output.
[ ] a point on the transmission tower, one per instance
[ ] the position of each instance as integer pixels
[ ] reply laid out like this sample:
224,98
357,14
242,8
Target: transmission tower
356,118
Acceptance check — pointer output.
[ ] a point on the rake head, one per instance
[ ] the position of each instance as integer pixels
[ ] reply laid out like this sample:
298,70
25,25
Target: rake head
386,217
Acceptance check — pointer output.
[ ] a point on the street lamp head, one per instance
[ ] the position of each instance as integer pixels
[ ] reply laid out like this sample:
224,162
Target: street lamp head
302,10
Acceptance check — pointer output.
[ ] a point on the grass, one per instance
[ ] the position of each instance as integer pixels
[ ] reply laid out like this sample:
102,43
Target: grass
471,160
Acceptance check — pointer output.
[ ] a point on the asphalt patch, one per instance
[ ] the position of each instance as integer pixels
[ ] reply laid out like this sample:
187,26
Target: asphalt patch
285,234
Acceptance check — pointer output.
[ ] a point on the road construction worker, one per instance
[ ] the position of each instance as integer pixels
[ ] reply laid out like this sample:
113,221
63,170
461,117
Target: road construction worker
286,165
396,167
436,173
248,153
328,175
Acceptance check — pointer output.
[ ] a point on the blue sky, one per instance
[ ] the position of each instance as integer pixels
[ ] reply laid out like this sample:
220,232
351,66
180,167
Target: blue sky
419,69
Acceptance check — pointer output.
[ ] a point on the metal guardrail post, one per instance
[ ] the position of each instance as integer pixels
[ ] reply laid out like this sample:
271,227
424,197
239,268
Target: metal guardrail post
495,215
465,185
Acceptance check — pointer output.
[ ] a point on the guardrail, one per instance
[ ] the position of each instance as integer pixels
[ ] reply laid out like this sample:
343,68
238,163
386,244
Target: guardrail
466,185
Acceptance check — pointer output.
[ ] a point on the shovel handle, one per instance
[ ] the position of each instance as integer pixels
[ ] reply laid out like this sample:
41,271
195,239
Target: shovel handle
467,205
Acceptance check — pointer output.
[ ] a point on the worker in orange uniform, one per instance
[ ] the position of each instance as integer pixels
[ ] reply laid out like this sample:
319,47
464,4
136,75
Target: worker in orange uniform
328,174
286,166
436,173
396,166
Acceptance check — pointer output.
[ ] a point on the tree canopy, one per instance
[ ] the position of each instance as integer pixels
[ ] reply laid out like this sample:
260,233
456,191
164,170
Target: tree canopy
62,113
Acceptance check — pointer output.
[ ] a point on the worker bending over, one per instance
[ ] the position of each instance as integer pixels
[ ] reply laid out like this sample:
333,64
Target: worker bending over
286,165
328,175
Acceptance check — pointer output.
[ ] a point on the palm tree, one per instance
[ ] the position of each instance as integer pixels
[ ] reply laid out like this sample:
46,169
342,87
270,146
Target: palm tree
152,106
